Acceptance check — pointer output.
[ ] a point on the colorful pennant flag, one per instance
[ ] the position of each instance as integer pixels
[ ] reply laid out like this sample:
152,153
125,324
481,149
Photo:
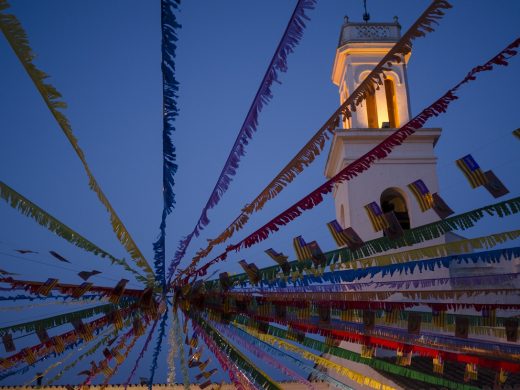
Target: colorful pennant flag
281,259
376,216
87,274
317,256
337,233
393,230
422,194
58,344
225,281
303,252
438,365
78,292
7,339
118,290
59,257
25,251
472,171
440,207
344,237
494,186
252,271
45,288
43,336
471,372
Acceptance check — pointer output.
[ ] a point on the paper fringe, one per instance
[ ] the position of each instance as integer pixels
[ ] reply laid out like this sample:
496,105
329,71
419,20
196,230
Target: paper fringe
375,363
172,353
232,360
180,345
290,39
157,350
413,236
237,340
361,379
29,209
169,27
17,38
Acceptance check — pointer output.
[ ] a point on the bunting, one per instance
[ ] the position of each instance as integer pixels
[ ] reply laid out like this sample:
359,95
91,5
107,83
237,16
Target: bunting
422,194
291,37
29,209
472,171
169,27
19,42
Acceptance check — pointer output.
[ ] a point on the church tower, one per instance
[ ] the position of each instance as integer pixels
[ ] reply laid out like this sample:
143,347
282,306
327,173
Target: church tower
361,47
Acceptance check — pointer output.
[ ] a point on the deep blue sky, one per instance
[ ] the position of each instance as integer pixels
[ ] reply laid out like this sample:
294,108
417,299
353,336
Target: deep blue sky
104,56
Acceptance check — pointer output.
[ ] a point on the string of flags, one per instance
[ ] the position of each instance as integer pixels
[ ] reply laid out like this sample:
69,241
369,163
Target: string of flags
305,310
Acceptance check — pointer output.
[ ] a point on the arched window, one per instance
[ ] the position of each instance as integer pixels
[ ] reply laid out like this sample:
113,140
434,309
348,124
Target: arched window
372,111
393,200
391,103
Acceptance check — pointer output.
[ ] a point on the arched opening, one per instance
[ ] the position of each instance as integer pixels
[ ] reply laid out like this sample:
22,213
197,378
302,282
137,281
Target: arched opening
372,111
391,103
393,200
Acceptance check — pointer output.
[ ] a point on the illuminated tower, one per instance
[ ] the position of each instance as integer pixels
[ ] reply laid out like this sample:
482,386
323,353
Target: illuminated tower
361,47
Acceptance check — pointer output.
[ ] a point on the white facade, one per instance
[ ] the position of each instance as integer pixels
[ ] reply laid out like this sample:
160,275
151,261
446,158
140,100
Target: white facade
361,47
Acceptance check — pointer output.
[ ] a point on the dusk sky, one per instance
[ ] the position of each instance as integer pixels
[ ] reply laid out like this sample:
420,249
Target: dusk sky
104,57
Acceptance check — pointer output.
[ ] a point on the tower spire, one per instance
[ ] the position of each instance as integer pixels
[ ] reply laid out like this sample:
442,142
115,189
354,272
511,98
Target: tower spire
366,15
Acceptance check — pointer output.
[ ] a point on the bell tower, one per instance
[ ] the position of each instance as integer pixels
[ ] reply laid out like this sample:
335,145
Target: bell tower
361,47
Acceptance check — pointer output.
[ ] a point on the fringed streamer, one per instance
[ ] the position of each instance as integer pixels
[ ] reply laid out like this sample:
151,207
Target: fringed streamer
424,344
351,374
26,368
51,367
34,287
172,353
271,350
234,361
103,366
29,209
413,295
400,262
52,322
68,338
83,299
290,39
125,356
225,363
465,281
381,151
413,236
307,155
141,354
157,350
253,349
375,363
184,367
104,338
169,27
17,38
45,304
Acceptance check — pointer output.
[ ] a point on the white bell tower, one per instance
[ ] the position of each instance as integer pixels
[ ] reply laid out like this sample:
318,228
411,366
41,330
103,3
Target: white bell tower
361,47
